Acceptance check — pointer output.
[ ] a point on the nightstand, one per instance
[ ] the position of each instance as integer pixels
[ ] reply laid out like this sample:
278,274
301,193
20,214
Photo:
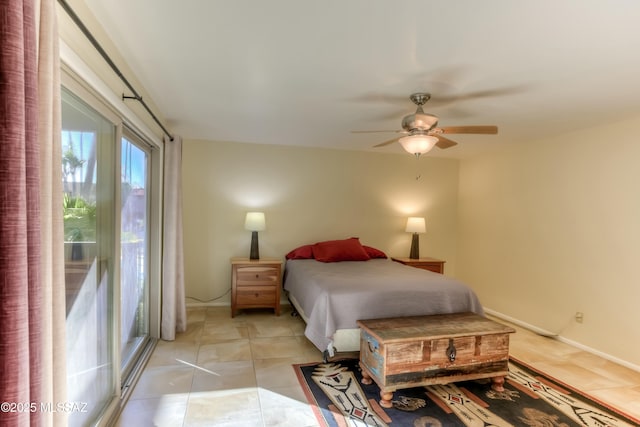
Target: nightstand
431,264
255,284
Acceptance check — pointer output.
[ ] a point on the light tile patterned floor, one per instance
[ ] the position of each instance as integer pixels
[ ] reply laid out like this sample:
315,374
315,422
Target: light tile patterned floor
237,372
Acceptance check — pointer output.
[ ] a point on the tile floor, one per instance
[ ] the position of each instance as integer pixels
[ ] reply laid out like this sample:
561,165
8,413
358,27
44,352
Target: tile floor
237,372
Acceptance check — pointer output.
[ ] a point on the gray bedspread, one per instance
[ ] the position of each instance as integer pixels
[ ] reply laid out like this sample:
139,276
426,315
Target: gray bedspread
334,295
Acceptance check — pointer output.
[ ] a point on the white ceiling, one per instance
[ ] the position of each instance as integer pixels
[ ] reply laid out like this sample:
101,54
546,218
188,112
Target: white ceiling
298,72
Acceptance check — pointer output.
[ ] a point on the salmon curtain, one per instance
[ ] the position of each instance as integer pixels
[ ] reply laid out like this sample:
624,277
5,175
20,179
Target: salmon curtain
32,363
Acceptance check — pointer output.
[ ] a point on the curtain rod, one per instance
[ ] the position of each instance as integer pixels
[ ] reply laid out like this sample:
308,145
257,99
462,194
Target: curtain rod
113,66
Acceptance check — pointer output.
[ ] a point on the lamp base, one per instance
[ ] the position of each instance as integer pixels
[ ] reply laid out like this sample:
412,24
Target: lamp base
255,252
415,250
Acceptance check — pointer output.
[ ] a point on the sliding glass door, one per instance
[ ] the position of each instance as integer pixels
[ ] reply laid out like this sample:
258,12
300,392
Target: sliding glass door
88,202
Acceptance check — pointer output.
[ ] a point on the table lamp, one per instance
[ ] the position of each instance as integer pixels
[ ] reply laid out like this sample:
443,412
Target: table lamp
415,225
254,222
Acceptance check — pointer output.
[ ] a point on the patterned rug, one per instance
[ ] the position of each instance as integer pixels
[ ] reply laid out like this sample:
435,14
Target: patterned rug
530,398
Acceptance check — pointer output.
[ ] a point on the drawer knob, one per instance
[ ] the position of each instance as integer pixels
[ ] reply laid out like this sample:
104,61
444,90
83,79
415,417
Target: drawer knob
257,275
451,351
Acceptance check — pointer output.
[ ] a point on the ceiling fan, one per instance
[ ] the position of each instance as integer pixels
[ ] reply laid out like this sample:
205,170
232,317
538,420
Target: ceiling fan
421,131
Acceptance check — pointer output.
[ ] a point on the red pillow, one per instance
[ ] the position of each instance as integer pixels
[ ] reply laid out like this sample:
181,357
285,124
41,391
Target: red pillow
340,250
303,252
373,252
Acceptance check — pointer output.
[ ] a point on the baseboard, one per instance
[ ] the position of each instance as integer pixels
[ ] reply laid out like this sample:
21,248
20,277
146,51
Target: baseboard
613,359
520,323
560,338
206,304
193,303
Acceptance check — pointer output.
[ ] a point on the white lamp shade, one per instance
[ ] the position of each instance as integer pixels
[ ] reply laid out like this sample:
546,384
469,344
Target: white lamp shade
254,221
418,144
416,225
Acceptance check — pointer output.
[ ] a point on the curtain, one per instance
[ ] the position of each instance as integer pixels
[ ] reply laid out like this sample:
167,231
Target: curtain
174,312
53,312
30,284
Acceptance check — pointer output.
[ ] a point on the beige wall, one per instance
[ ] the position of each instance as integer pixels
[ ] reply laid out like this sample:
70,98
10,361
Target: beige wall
552,227
307,195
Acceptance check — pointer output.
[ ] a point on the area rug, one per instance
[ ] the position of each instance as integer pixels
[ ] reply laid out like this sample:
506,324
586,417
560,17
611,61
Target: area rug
530,398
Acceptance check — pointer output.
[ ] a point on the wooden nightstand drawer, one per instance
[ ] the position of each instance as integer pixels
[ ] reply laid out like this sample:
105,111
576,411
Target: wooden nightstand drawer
257,275
255,284
259,296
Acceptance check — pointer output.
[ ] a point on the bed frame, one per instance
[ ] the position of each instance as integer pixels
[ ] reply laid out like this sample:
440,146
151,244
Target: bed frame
344,340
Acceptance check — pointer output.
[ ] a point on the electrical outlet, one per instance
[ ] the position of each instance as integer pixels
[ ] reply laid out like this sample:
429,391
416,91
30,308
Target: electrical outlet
579,316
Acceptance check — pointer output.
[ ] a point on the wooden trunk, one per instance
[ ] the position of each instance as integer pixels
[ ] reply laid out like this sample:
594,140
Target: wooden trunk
406,352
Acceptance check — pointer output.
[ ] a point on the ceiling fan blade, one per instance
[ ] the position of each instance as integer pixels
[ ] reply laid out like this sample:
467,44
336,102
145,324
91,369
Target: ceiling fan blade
489,130
443,88
378,97
444,142
477,94
382,144
376,131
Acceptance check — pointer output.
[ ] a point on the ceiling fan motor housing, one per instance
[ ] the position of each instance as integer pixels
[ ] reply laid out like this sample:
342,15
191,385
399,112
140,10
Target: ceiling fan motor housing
419,121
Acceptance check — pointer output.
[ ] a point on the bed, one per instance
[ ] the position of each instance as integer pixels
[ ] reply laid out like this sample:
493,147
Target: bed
331,295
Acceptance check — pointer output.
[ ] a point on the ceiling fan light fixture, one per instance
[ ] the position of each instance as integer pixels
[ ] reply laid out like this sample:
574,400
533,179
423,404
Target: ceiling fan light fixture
418,144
